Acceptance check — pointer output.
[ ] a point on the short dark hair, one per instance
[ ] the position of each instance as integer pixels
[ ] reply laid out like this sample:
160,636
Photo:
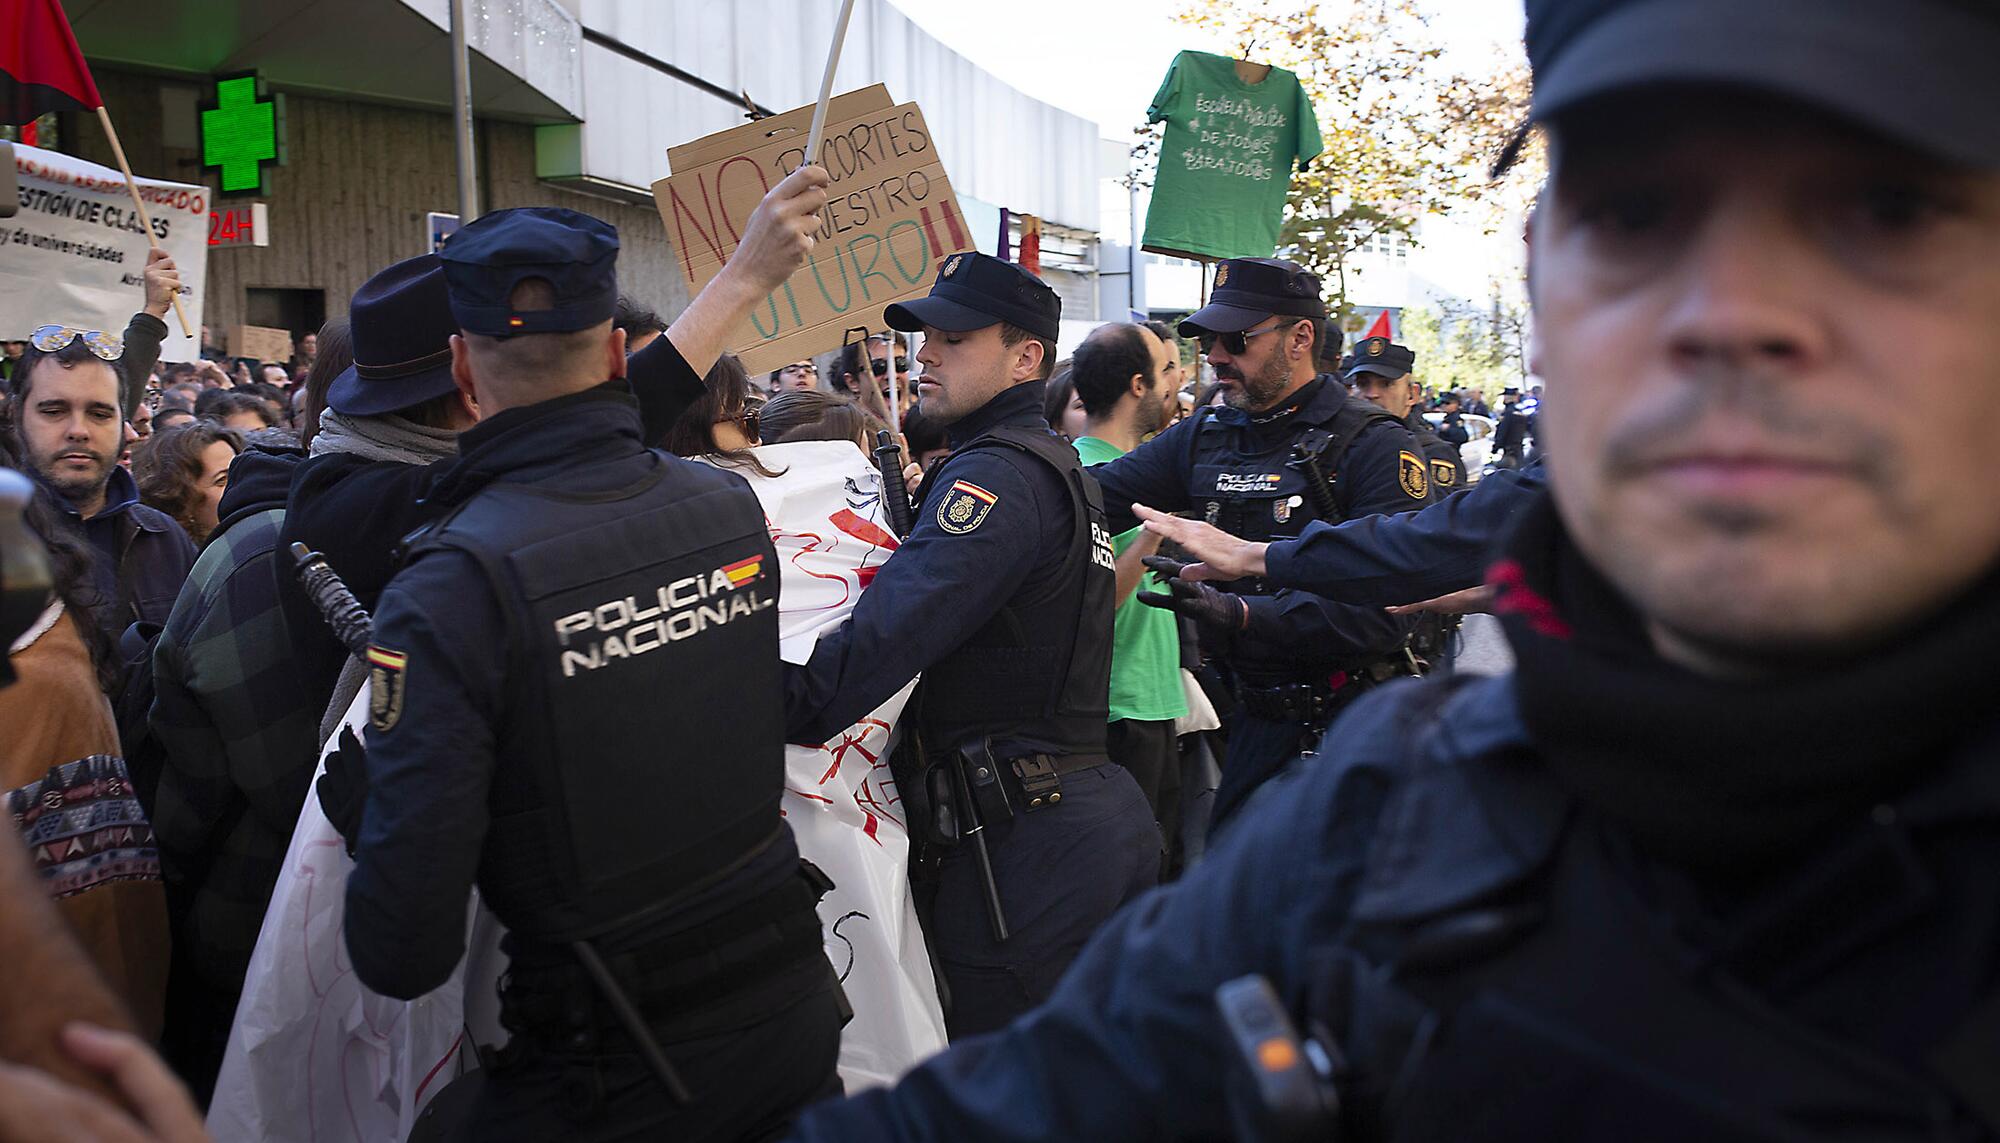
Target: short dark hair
1012,335
1102,367
69,356
809,415
854,357
221,404
635,318
173,412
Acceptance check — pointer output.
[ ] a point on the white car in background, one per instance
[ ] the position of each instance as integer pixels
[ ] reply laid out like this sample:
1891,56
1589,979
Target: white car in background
1477,452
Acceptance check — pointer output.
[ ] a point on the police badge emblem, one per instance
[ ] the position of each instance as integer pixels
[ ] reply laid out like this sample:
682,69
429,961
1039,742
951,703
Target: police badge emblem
1221,275
385,687
1410,474
951,267
1376,347
1443,474
964,507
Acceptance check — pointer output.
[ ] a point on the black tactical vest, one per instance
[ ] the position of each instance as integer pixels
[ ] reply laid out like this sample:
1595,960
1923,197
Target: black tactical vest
1040,669
1266,493
1509,978
640,752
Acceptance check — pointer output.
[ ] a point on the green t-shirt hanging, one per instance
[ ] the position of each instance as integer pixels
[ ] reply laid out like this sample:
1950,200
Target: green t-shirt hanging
1226,162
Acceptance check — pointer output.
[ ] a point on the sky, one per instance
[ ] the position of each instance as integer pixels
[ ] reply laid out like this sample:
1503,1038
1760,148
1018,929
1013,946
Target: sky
1103,59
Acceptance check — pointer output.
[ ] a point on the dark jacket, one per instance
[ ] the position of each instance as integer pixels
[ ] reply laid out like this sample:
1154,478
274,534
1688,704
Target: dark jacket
1382,561
238,731
141,556
432,767
356,511
143,335
1426,805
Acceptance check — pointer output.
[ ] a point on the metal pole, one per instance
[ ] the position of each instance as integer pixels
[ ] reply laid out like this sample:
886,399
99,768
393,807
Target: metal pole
461,116
1132,259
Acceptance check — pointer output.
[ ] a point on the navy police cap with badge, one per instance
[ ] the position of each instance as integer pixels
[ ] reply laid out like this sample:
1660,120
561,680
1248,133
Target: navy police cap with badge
577,256
975,290
1248,290
1382,357
1920,71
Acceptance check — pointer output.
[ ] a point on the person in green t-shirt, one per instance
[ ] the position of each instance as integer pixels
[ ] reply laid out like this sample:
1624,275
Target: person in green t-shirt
1118,372
1226,160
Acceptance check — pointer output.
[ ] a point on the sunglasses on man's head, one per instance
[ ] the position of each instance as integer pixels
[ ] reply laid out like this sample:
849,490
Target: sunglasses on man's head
54,338
1237,342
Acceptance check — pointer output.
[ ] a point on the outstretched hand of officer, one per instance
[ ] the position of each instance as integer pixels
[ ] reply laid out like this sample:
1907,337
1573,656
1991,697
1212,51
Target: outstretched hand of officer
1218,615
343,789
1223,556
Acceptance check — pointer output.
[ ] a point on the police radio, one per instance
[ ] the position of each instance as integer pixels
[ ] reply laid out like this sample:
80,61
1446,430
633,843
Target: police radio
1280,1086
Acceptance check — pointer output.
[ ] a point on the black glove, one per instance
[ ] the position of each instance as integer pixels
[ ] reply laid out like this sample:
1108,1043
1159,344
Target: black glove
1218,615
343,789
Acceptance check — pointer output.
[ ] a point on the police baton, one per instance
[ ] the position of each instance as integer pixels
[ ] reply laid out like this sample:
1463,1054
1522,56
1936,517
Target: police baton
974,833
351,623
895,493
634,1024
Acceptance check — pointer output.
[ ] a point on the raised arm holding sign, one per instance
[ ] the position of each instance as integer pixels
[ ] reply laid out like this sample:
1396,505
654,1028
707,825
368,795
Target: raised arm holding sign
777,241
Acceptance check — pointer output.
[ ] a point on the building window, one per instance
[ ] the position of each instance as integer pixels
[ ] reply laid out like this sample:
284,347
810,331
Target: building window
1393,245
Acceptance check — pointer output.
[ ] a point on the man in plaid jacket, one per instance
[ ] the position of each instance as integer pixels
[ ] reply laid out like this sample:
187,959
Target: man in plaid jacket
239,733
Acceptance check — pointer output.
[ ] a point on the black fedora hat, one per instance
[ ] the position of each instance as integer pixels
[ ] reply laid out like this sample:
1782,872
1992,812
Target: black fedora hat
401,325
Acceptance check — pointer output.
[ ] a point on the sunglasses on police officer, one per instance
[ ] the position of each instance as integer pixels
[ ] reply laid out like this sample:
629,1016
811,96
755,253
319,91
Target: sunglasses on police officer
55,338
1237,342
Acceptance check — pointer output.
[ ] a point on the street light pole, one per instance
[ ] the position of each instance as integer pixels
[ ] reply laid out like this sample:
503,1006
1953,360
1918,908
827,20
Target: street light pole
461,116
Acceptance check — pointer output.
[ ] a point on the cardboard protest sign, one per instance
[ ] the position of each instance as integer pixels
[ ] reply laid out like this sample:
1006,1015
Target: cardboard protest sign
75,253
260,342
891,219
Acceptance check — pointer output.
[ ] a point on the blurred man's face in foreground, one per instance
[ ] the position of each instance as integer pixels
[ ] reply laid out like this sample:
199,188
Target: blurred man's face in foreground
1721,285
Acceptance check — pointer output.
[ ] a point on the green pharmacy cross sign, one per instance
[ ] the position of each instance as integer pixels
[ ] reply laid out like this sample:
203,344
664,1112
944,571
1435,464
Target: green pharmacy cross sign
240,134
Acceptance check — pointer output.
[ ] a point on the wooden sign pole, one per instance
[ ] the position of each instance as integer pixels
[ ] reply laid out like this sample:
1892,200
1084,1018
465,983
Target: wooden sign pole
146,220
826,81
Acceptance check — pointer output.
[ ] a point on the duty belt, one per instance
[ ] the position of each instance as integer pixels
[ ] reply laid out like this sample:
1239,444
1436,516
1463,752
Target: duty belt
727,959
1305,703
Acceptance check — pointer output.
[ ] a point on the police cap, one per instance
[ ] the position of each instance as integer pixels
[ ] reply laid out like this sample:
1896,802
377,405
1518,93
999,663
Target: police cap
1920,71
577,255
975,290
1382,357
1248,290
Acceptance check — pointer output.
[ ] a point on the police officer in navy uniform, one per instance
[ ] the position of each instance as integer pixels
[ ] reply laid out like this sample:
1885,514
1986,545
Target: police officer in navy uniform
1379,371
1291,447
1001,597
1716,861
576,703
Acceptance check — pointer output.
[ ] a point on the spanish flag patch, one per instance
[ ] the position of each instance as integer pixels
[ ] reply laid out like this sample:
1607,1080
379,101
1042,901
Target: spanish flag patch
744,571
385,687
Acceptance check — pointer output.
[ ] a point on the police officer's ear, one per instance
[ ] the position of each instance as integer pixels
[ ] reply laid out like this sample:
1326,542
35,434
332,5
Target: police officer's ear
461,369
616,350
1028,360
1299,340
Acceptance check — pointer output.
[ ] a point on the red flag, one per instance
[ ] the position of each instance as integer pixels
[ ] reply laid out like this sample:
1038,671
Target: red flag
1380,328
41,69
1031,245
